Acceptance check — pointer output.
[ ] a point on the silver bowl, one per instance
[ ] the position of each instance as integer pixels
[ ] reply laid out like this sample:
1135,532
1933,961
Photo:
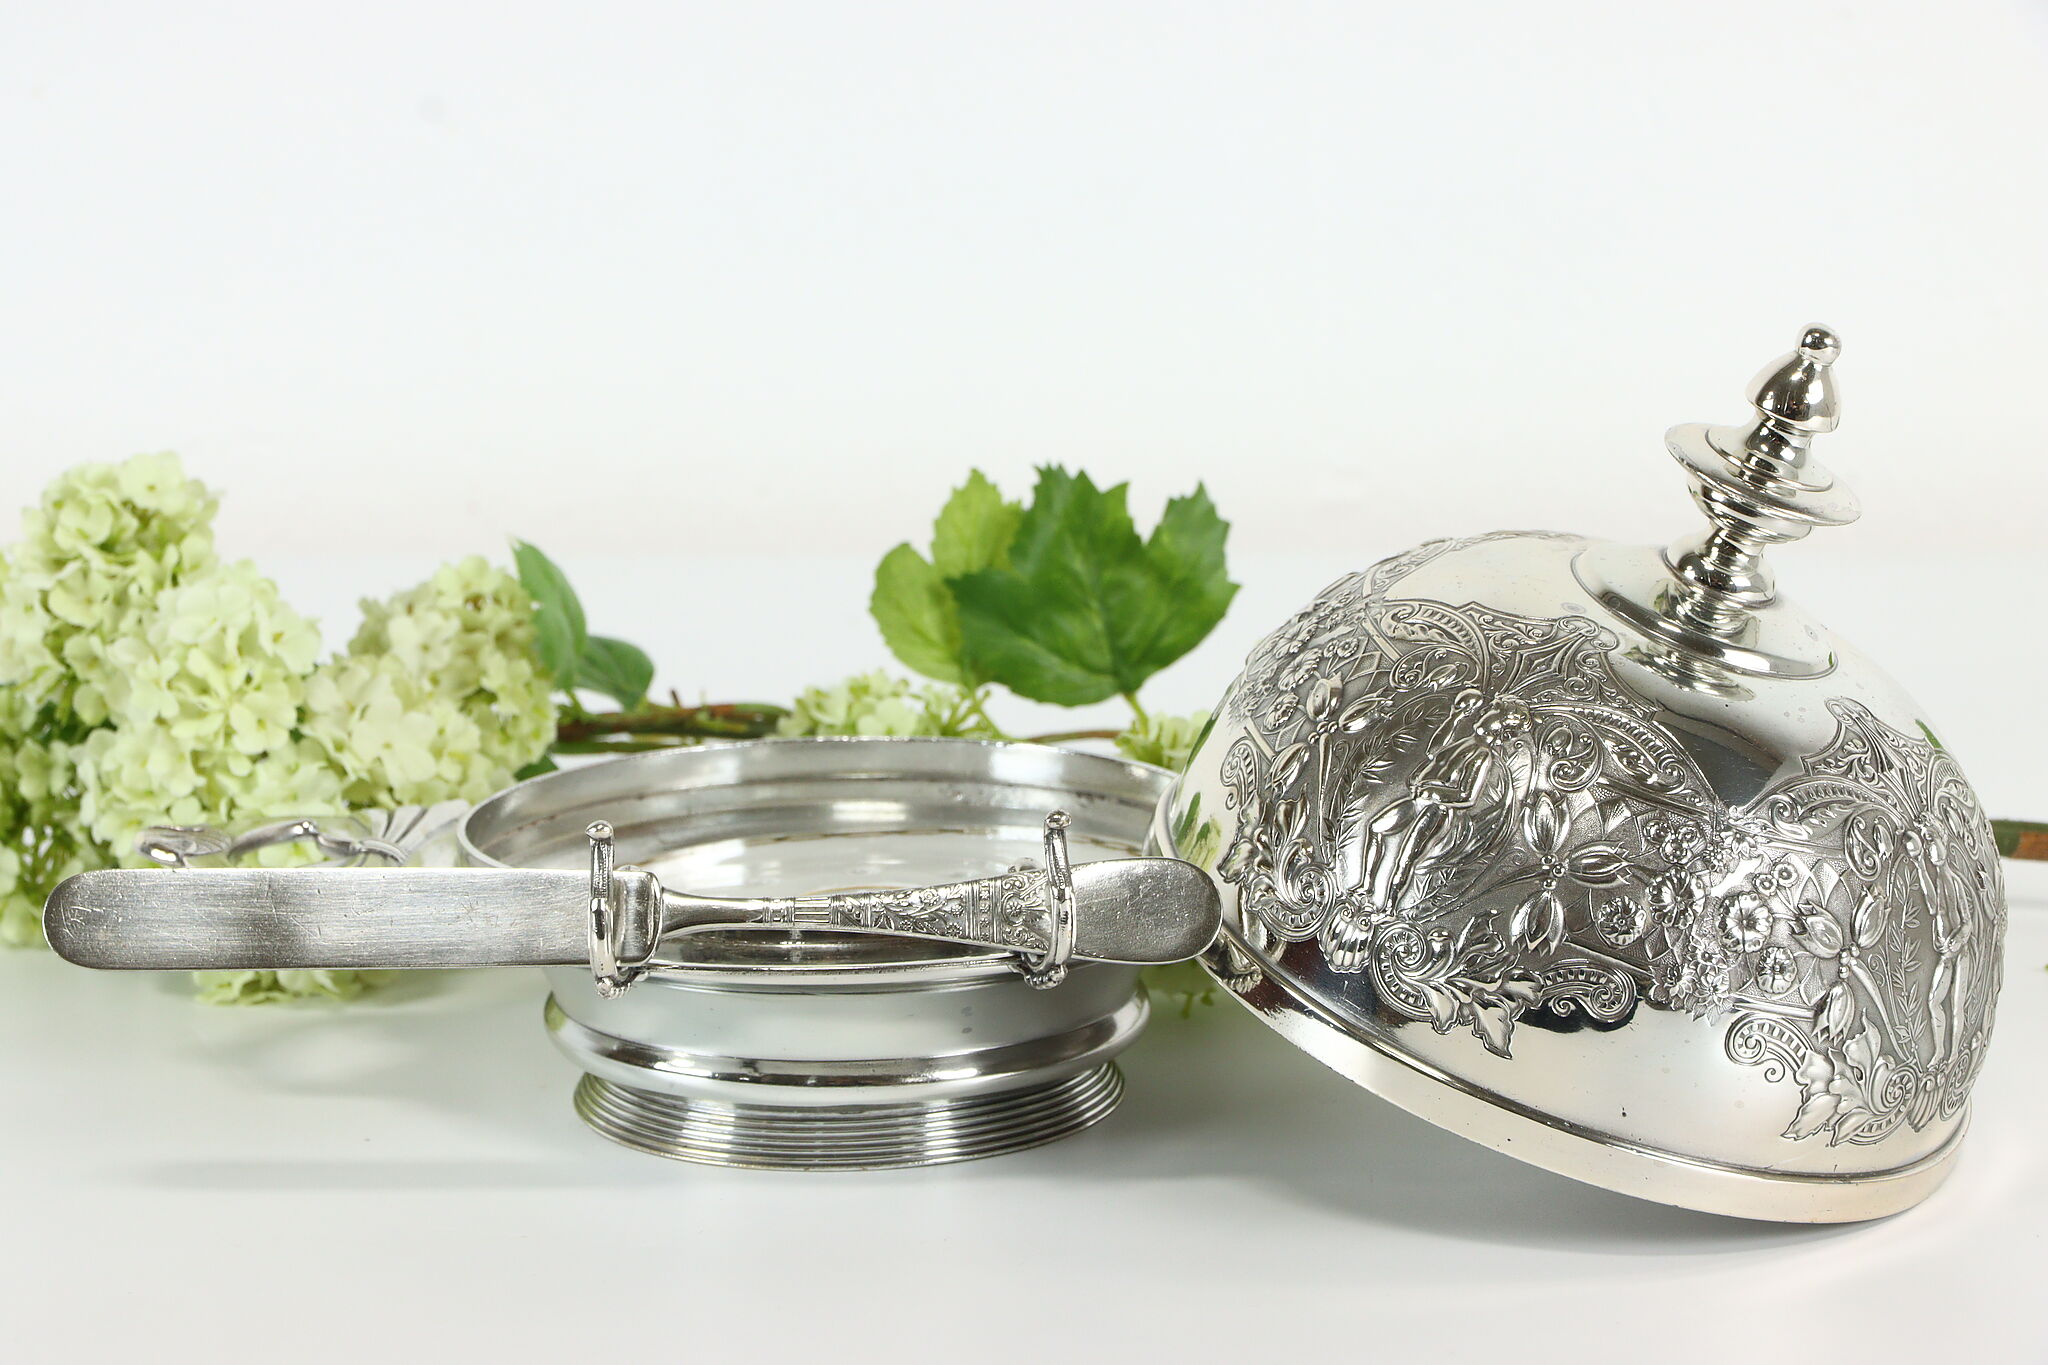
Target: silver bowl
821,1050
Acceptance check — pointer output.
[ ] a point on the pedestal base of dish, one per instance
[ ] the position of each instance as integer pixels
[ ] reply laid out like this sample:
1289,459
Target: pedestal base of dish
859,1138
880,1084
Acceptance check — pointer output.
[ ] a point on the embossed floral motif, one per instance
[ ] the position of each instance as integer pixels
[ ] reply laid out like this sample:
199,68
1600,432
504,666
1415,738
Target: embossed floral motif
1746,921
1470,809
1776,969
1887,863
1454,745
1621,920
1840,1090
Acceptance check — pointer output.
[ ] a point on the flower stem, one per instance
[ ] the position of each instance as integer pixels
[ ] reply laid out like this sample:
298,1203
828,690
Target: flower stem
713,720
2021,838
1063,736
615,746
1136,709
977,706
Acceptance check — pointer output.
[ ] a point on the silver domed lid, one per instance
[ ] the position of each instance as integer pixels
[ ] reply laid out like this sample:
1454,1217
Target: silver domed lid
1612,858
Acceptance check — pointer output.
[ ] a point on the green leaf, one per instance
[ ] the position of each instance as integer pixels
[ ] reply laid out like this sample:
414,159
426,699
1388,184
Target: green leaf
1186,552
619,670
974,528
559,629
1085,609
540,765
913,604
915,610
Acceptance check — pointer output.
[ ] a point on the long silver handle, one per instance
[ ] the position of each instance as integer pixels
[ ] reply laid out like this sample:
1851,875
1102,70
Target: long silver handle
1128,910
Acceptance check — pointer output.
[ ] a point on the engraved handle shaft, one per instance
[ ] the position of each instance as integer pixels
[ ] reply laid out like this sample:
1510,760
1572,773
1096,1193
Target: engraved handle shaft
1130,910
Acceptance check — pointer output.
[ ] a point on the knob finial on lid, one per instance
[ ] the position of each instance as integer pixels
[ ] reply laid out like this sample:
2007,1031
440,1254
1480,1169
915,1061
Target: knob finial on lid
1759,487
1712,597
1796,392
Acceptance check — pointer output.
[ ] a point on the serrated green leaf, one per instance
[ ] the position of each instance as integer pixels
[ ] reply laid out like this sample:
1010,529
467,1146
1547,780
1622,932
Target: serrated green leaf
974,529
1185,551
559,630
915,610
1086,610
619,670
912,603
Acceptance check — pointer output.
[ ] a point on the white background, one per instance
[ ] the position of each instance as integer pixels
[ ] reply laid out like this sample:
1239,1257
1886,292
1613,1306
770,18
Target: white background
715,301
763,280
754,275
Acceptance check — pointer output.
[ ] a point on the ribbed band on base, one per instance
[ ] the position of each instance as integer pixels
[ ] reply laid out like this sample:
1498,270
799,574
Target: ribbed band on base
857,1138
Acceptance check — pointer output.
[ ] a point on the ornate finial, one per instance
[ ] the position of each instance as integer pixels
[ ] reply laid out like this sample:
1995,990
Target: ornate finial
1795,394
1759,487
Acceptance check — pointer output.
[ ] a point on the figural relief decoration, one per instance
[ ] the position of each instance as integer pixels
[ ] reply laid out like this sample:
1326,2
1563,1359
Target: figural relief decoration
1469,808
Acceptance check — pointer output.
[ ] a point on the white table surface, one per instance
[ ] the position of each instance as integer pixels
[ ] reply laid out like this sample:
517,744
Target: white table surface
403,1179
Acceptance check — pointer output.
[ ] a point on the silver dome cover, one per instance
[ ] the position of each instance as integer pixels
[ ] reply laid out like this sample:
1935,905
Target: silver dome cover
1612,859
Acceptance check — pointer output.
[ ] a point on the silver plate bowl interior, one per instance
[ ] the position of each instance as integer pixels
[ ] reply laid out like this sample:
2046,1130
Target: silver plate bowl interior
815,1050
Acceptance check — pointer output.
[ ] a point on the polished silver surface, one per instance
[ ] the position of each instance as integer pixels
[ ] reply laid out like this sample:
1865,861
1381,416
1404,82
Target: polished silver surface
240,918
1613,859
1713,597
804,1046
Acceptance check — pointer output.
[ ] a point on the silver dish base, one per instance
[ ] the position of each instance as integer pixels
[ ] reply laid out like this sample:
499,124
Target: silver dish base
1041,1070
861,1138
797,1048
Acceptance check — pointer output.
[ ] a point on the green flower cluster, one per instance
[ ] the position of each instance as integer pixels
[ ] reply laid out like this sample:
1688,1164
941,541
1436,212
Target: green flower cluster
440,695
1165,741
143,680
878,703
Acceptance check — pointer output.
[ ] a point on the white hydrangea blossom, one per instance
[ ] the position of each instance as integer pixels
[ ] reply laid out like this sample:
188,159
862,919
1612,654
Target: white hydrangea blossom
203,698
142,681
440,694
880,704
1166,741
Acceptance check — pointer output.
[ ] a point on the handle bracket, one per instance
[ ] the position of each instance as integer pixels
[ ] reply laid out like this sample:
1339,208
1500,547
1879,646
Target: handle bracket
611,967
1043,971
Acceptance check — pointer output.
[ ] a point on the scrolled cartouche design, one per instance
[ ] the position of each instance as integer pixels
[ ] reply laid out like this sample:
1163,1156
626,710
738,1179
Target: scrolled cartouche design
1470,809
1875,922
